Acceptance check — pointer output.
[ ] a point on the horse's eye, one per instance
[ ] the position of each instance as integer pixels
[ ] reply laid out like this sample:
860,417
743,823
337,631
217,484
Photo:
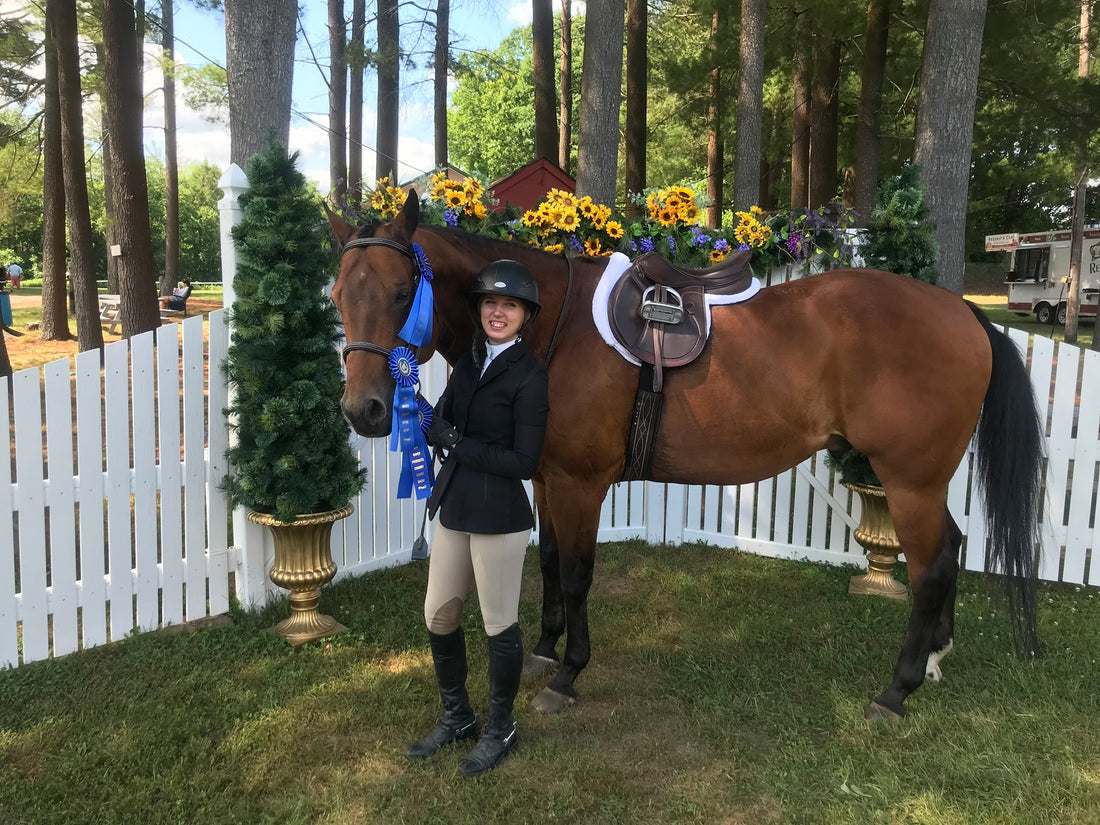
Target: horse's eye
402,296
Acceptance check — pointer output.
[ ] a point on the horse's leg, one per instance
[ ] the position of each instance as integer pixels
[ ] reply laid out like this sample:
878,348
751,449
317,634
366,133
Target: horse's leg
919,519
544,656
943,638
576,512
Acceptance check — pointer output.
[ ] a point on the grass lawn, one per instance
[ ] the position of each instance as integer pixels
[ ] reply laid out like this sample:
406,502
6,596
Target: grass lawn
724,688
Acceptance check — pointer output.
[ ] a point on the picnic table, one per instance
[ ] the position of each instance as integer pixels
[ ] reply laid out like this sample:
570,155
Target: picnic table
109,306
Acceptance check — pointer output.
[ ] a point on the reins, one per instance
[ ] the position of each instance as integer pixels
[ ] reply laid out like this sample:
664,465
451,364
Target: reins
561,314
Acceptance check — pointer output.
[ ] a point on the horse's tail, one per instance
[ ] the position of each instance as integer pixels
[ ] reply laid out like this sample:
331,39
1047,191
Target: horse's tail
1010,473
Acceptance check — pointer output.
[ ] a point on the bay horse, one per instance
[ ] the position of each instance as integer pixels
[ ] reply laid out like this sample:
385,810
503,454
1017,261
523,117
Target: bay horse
899,369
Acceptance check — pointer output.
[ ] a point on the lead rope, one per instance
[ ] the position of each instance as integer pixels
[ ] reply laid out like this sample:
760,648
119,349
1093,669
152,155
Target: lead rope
561,315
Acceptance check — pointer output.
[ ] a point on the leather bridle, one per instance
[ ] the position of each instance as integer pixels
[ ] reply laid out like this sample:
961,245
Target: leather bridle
397,246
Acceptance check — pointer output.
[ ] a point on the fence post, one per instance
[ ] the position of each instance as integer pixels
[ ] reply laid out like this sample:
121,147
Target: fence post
253,550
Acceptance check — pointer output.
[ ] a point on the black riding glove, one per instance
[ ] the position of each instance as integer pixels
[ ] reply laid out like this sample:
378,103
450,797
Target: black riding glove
442,434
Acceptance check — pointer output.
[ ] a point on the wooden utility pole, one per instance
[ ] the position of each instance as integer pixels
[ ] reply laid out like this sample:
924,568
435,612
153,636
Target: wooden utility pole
1080,182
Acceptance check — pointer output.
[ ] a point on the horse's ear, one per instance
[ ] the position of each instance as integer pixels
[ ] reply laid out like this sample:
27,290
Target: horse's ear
340,228
409,216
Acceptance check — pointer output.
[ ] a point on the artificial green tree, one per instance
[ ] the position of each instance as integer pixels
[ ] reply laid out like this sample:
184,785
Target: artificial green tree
291,455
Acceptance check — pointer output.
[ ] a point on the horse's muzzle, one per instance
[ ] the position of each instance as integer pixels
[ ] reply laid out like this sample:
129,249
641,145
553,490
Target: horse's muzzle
368,416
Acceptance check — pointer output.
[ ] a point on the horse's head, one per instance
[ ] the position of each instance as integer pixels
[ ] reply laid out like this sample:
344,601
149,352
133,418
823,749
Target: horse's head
374,293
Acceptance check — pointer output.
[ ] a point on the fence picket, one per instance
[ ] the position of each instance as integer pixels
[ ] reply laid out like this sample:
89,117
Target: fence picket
1086,455
143,405
217,441
30,503
90,498
171,475
9,613
60,497
194,471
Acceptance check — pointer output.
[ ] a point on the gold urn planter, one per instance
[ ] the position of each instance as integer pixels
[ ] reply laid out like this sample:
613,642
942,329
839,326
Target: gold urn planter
876,535
303,563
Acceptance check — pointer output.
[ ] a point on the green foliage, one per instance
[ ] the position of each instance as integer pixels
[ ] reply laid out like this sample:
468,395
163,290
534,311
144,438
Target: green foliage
900,235
200,228
292,454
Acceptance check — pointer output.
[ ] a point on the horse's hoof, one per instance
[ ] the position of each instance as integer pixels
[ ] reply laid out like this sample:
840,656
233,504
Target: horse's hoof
880,713
933,674
550,701
535,665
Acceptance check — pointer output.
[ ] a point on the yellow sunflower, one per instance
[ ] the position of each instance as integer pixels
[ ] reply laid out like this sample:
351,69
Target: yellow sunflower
666,217
614,230
717,255
592,247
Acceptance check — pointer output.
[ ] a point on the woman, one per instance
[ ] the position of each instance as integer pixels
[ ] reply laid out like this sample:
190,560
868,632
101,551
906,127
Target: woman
178,299
497,401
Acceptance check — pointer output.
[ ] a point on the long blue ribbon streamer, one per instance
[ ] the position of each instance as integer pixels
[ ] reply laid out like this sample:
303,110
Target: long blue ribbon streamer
417,330
407,428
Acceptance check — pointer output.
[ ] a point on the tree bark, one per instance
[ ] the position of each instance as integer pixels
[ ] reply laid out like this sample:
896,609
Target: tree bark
355,102
442,66
565,114
865,171
108,176
1080,177
171,157
750,105
55,316
601,96
389,78
542,47
800,132
825,120
637,76
81,268
259,60
137,282
715,138
337,100
945,123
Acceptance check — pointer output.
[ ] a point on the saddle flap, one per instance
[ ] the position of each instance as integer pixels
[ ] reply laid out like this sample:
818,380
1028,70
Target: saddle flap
679,343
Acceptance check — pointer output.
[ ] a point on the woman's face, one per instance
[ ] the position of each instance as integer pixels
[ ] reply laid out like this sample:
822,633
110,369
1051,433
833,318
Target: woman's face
502,318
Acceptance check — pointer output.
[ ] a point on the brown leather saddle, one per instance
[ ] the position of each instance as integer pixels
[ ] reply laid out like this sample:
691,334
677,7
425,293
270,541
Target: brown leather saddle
657,310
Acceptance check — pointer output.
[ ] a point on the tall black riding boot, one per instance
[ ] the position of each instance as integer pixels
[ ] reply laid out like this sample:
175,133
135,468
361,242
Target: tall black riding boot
499,737
458,721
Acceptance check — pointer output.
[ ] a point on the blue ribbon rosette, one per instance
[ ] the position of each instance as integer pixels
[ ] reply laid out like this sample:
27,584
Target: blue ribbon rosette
409,425
418,326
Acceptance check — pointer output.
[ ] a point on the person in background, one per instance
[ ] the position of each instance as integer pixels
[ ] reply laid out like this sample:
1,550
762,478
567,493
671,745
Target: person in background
15,273
178,298
497,400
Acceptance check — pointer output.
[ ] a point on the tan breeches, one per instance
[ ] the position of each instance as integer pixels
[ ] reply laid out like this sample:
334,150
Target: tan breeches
493,562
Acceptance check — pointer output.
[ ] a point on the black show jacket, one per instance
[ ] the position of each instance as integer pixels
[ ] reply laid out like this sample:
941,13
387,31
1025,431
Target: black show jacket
502,418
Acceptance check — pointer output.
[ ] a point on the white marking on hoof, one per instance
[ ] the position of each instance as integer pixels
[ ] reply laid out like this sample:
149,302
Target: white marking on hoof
932,672
539,665
550,701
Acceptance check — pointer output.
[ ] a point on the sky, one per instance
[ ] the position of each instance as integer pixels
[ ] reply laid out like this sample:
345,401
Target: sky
200,35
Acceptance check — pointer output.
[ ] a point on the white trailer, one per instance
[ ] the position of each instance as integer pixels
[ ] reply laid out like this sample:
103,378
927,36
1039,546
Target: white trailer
1038,272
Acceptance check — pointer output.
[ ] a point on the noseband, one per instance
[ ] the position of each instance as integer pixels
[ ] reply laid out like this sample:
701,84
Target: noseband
397,246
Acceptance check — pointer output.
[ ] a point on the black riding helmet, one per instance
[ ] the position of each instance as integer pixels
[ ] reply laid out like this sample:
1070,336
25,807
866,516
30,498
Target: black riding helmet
506,277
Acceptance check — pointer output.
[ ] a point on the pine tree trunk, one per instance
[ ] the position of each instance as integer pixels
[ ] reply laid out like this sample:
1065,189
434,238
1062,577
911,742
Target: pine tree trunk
750,105
825,120
865,173
945,123
389,56
1080,177
601,96
442,63
800,132
259,60
171,158
337,100
542,37
355,102
715,141
637,68
81,266
136,279
55,316
565,115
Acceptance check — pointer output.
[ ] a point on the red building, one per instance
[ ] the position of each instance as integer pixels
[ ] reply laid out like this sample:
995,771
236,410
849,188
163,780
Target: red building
527,186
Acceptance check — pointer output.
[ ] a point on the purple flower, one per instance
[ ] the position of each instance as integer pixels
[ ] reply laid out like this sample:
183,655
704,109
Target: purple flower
576,244
794,243
741,248
699,238
671,246
646,245
722,245
450,218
